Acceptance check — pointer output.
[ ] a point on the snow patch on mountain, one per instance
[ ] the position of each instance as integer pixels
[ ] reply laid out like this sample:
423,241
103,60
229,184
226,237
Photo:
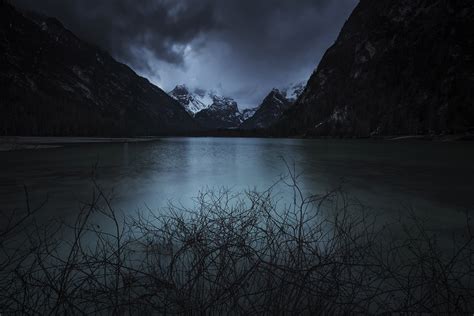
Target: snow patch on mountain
248,113
294,90
193,102
221,103
223,113
212,110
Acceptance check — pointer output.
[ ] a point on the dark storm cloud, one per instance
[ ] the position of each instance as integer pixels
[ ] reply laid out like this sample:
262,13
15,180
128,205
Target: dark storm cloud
241,47
119,26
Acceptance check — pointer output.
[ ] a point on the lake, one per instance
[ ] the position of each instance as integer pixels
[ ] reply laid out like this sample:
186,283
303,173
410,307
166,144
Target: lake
434,179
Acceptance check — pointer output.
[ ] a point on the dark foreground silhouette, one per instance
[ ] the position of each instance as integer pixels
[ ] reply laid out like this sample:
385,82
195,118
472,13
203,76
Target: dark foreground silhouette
242,253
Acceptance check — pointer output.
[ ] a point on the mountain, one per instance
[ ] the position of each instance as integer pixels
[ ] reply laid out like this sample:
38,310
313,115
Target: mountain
210,110
293,92
268,113
53,83
248,113
193,102
397,67
223,113
272,107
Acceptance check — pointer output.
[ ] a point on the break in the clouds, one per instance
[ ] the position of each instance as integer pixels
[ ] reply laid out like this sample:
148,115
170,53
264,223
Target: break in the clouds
240,48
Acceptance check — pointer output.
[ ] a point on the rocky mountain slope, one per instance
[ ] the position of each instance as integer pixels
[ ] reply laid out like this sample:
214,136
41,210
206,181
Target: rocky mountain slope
268,113
193,102
210,110
248,113
397,67
293,91
53,83
223,113
272,107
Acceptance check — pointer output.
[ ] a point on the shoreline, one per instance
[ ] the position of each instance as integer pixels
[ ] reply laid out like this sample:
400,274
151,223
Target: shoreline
13,143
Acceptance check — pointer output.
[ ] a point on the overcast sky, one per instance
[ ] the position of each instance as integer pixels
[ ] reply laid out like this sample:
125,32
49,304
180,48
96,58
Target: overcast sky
239,48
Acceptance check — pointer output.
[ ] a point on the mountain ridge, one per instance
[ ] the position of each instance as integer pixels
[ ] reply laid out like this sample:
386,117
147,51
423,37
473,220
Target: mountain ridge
55,84
193,102
396,68
273,106
223,113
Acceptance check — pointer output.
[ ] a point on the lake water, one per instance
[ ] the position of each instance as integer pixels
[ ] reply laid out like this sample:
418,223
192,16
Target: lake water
435,179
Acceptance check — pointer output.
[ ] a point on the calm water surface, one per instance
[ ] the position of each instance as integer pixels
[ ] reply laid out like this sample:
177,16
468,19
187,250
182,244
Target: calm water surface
436,180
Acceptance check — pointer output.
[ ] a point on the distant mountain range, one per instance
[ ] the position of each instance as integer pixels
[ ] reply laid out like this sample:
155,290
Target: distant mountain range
223,113
269,111
273,107
212,111
398,67
53,83
193,102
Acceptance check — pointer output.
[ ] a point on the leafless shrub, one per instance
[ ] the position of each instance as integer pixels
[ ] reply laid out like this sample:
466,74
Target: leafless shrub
242,253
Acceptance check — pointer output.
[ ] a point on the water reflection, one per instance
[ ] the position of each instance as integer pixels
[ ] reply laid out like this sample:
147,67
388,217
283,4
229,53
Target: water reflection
435,179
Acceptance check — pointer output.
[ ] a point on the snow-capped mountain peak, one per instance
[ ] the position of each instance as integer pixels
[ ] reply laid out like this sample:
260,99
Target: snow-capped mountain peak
248,113
222,113
272,107
214,111
224,103
193,102
294,91
211,110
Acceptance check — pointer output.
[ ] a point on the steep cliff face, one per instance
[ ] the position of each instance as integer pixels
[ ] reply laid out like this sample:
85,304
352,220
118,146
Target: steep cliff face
193,102
397,67
223,113
53,83
269,111
272,107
